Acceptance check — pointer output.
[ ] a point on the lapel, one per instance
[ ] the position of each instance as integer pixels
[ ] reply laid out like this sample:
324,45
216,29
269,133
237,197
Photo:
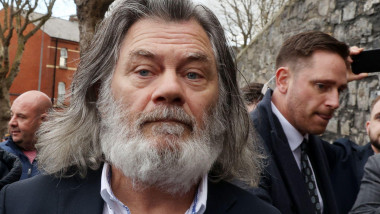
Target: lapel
282,157
78,195
290,173
219,200
322,172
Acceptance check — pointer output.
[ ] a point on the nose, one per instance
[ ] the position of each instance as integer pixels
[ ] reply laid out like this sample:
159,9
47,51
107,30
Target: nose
332,100
12,122
169,90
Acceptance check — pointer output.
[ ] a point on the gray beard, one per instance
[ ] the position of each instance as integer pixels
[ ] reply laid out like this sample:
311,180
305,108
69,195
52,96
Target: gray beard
165,159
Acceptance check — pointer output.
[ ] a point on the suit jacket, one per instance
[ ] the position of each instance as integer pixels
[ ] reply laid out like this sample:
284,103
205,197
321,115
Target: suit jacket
46,194
283,184
347,160
368,200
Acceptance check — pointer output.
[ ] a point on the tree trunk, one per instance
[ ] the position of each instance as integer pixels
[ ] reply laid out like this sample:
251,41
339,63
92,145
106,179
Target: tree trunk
5,114
90,13
17,21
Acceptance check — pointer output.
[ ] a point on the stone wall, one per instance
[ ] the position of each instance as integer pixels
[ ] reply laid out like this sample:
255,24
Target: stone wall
356,22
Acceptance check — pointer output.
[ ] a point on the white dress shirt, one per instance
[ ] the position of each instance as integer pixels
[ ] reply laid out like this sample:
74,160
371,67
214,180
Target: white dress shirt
295,139
112,205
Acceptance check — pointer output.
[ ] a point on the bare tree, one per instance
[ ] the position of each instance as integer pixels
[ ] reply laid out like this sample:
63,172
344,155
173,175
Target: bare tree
90,13
245,18
17,20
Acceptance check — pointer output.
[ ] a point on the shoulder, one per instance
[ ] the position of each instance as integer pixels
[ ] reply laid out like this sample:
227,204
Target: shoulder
7,156
346,144
7,146
263,107
33,193
4,145
46,193
29,187
347,148
49,183
373,162
224,195
372,168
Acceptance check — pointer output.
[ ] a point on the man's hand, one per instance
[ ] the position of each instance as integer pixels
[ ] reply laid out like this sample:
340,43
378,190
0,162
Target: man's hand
350,75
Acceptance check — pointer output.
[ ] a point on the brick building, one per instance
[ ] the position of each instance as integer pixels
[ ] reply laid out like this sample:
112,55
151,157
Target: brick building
50,58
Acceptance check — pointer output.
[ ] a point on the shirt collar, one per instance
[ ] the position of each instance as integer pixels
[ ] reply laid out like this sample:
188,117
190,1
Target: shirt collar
202,196
106,192
293,136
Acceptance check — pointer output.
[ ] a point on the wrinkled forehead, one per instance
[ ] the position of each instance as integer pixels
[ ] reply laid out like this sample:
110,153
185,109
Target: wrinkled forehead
180,32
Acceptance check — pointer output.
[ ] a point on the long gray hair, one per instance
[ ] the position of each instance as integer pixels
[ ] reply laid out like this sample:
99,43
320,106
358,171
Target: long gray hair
68,143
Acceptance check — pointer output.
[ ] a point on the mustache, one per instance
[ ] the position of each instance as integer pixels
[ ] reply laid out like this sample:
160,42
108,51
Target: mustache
166,113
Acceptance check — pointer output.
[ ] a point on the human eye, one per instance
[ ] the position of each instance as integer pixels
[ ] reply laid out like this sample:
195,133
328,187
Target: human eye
321,87
144,72
193,75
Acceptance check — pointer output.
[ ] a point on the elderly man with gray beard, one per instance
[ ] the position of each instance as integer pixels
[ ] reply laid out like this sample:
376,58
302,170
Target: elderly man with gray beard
156,122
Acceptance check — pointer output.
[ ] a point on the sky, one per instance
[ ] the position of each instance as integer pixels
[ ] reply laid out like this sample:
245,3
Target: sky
64,8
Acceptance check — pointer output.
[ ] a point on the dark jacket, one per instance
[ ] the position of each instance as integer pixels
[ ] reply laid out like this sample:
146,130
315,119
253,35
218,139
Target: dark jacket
347,160
283,184
28,169
10,168
46,194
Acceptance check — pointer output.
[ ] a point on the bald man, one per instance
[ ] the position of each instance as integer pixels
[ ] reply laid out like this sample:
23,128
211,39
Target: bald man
27,113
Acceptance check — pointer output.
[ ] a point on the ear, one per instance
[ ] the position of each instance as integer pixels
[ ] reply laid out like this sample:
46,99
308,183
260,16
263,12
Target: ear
283,77
43,117
367,124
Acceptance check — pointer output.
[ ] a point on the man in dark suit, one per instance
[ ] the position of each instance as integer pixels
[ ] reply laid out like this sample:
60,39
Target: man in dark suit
373,126
312,70
156,122
368,200
346,163
351,158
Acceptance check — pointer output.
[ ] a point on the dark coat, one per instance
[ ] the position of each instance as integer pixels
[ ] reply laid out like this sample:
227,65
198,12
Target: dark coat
10,168
283,184
46,194
347,160
368,200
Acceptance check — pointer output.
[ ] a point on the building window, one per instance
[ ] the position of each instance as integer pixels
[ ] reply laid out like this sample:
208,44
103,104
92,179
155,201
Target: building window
63,58
61,93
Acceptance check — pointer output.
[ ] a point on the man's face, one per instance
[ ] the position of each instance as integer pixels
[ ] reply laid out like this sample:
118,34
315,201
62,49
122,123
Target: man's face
166,63
313,92
373,127
160,123
24,122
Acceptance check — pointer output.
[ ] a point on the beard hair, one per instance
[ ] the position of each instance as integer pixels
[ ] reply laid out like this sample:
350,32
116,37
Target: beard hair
374,141
165,159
